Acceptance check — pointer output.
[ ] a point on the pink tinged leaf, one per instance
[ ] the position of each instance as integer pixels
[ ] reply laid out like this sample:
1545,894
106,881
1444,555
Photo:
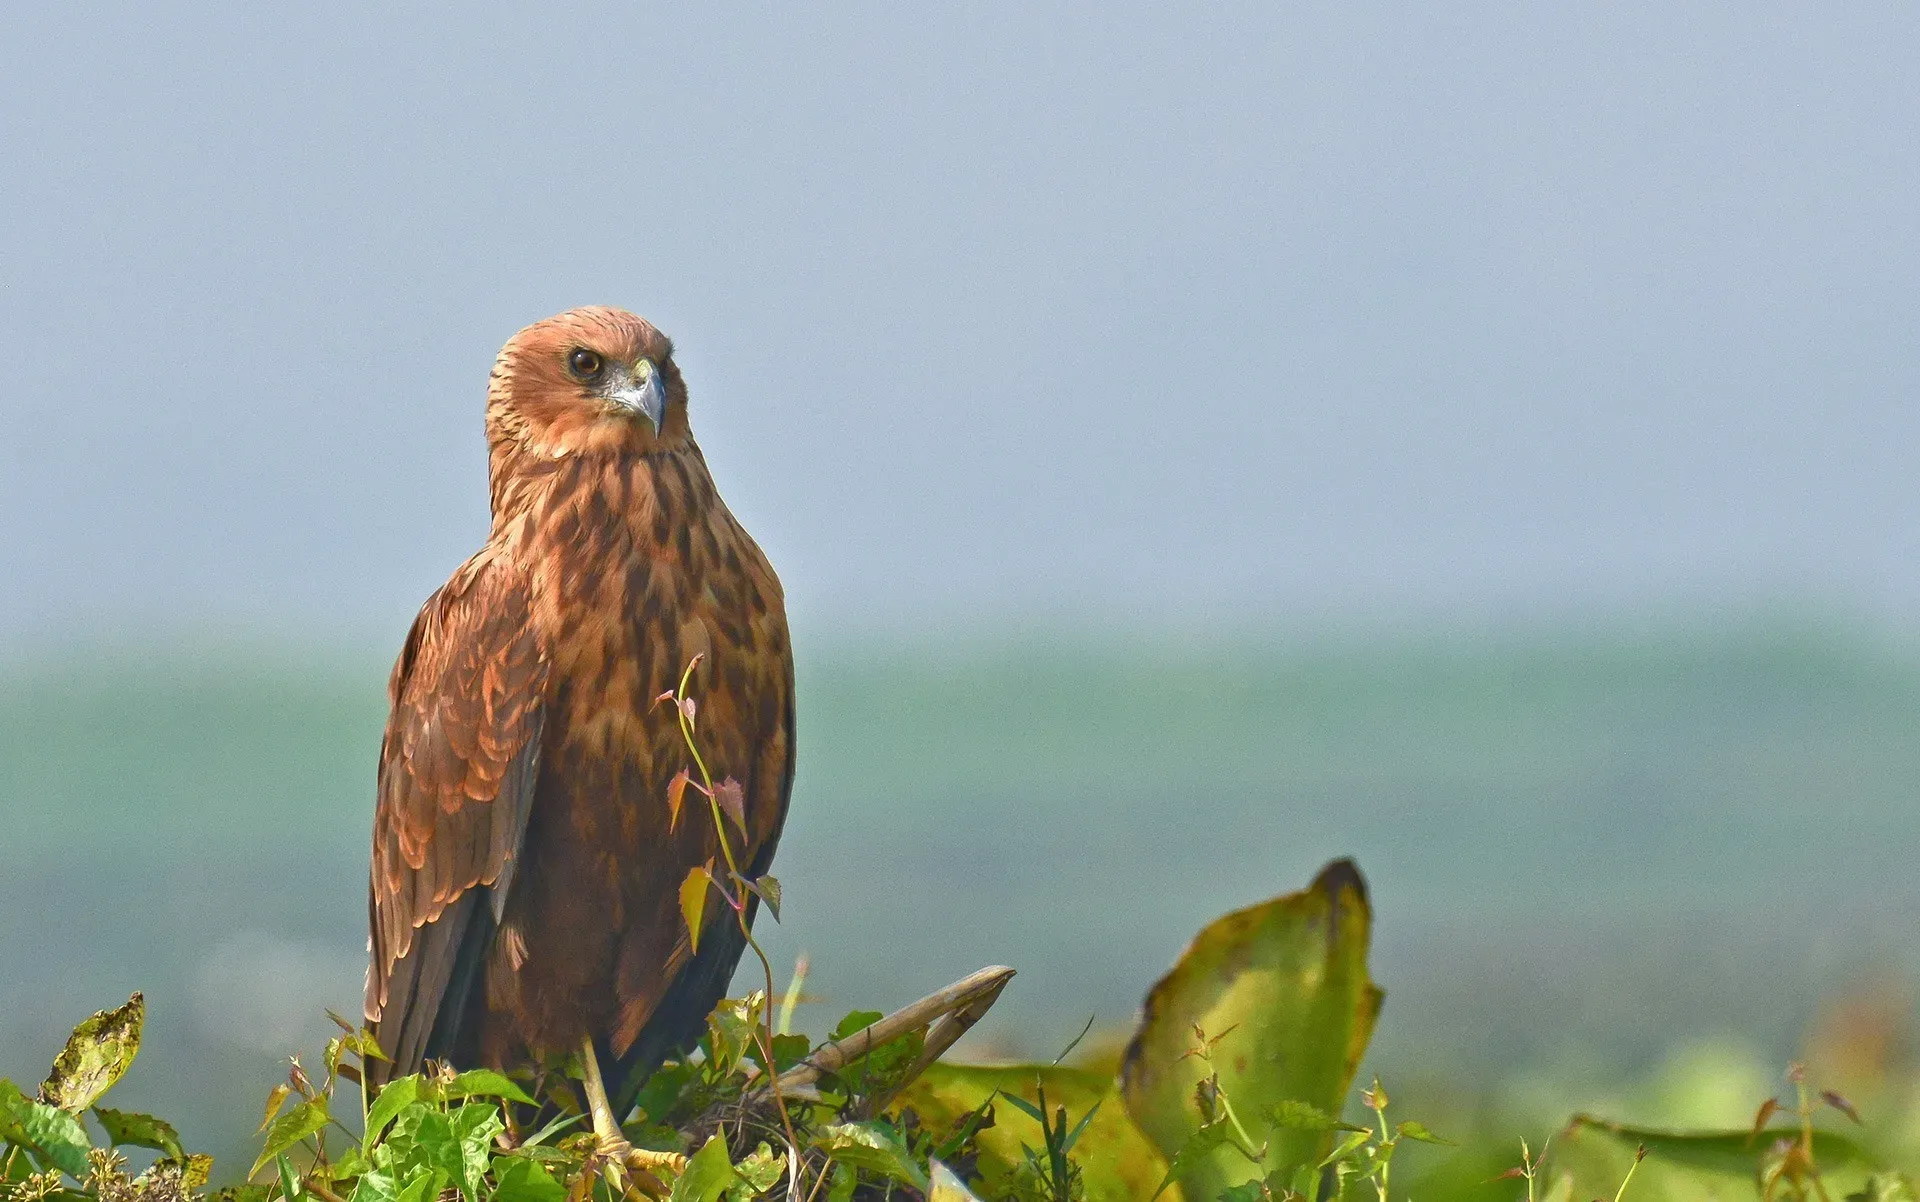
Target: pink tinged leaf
676,793
663,698
689,707
1841,1104
693,901
732,799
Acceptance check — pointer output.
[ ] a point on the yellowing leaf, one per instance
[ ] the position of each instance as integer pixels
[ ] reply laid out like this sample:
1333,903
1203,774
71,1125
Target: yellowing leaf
693,901
97,1053
1118,1162
1282,993
676,793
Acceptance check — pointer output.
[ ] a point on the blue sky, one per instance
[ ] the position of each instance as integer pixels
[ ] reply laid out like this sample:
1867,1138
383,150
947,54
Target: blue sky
1248,311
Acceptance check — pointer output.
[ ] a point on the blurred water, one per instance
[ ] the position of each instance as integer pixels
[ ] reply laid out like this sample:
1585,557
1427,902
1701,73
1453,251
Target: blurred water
1584,848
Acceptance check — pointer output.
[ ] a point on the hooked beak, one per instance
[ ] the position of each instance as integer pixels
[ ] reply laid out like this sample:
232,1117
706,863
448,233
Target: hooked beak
645,393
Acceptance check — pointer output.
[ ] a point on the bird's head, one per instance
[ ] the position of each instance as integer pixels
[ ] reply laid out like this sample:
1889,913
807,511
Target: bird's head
592,379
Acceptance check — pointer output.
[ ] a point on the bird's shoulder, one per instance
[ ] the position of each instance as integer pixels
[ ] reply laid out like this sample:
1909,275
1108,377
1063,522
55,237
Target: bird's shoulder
466,695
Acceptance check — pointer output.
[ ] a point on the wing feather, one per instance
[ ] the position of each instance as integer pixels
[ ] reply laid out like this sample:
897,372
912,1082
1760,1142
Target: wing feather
458,767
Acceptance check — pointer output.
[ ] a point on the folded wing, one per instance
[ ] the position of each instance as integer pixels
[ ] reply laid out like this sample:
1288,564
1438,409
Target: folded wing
458,766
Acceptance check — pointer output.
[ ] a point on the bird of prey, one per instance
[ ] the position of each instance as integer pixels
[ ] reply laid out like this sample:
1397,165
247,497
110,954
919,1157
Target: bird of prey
524,892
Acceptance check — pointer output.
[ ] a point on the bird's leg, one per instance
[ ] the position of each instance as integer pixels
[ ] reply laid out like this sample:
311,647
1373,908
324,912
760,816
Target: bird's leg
607,1128
604,1124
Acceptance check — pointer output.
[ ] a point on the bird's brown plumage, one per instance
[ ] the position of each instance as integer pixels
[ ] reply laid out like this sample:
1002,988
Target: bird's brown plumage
524,892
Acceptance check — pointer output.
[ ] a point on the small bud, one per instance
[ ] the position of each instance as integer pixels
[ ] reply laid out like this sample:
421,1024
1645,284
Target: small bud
1841,1104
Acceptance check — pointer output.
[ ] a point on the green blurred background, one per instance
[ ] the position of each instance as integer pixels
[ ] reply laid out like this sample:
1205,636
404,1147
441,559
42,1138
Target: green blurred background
1596,858
1196,443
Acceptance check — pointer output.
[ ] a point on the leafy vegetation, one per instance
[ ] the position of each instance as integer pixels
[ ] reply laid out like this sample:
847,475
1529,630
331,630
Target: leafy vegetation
1236,1085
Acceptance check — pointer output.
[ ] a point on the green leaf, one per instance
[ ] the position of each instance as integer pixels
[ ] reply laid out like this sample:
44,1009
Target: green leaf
873,1146
730,1031
1118,1162
664,1090
125,1128
768,887
855,1022
1351,1143
394,1097
421,1185
289,1184
241,1193
484,1083
290,1128
13,1113
375,1186
423,1138
1594,1156
1305,1116
707,1175
788,1050
844,1182
1027,1108
1417,1131
97,1053
524,1180
757,1173
55,1135
348,1164
474,1126
693,901
1198,1147
1282,993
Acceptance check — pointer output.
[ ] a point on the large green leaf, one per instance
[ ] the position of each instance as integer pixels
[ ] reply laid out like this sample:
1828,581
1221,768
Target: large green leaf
1118,1163
290,1128
707,1175
1282,993
54,1134
1592,1157
523,1180
394,1097
483,1083
126,1128
875,1147
97,1053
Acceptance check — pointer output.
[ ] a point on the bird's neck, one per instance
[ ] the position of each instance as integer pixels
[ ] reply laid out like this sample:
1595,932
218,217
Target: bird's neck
613,496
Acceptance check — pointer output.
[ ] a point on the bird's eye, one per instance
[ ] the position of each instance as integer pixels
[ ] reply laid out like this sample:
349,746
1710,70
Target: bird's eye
584,363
